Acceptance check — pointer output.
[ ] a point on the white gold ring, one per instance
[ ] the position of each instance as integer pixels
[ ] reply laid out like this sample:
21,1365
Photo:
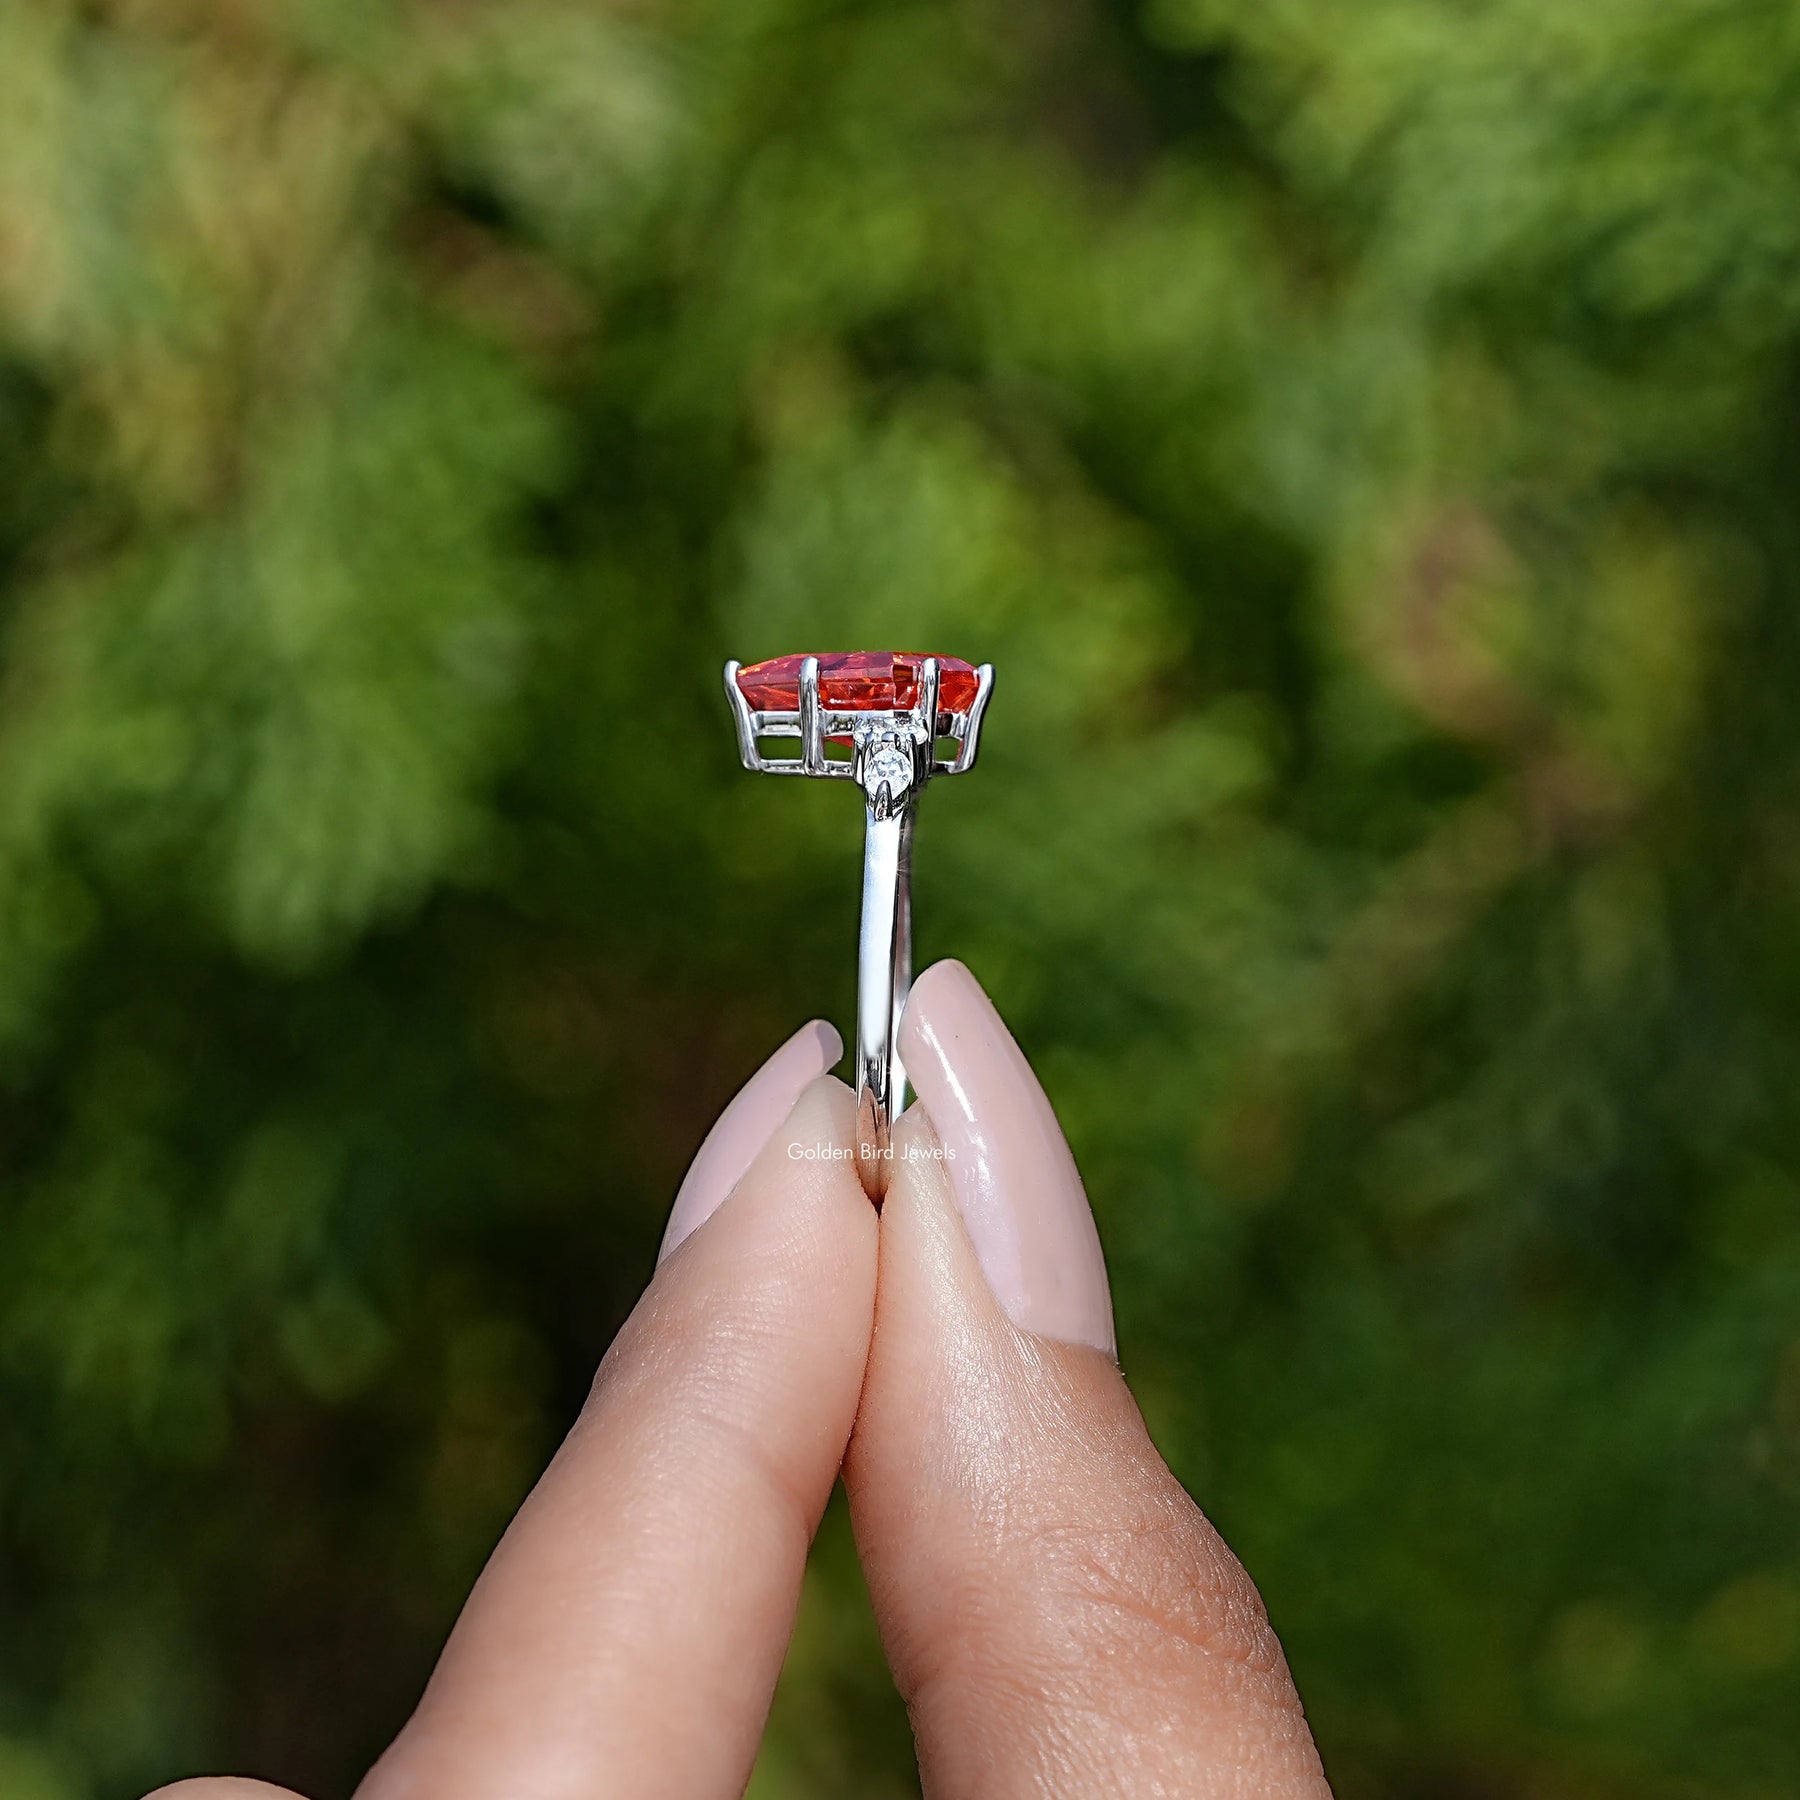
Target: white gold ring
876,718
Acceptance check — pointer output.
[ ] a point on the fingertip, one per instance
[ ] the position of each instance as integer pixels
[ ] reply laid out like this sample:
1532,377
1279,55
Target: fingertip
946,972
948,1371
1011,1170
754,1113
634,1615
829,1039
932,1281
222,1787
797,1215
822,1119
814,1146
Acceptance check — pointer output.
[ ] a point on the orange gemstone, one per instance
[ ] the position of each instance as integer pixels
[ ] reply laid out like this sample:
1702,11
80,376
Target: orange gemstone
862,681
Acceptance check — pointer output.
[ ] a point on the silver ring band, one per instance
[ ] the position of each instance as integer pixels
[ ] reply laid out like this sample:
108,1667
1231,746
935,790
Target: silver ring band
883,977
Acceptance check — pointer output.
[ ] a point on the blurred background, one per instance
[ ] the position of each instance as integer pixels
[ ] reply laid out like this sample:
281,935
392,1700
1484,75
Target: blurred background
1367,443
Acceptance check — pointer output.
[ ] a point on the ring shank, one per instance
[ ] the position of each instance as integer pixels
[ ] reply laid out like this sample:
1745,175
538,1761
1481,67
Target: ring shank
883,980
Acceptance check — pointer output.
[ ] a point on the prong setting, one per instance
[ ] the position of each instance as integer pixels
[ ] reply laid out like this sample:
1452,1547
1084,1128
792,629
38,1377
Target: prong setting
812,722
888,770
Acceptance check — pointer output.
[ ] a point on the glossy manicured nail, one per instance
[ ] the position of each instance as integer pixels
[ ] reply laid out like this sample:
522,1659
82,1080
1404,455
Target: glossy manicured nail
1016,1184
742,1129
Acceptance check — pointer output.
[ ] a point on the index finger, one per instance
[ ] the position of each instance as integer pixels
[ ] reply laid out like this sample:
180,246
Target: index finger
628,1631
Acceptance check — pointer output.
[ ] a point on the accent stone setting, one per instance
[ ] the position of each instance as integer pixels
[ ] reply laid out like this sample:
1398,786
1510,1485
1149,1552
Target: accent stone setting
888,766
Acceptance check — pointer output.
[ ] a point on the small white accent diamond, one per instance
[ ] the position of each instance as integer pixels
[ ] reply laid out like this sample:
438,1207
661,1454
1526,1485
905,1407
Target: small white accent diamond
889,766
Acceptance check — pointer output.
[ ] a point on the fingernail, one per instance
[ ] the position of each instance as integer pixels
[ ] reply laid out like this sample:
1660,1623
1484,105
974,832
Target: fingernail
1016,1183
746,1124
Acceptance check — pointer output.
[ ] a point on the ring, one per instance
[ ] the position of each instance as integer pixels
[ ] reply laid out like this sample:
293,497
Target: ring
878,718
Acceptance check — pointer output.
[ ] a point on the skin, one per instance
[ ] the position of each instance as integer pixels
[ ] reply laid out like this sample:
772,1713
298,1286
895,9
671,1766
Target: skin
1060,1618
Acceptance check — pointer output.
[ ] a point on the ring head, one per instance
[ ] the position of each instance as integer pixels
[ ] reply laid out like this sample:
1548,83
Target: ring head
872,701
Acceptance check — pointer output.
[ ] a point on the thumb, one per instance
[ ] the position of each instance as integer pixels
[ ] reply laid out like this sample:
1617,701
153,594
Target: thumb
1059,1615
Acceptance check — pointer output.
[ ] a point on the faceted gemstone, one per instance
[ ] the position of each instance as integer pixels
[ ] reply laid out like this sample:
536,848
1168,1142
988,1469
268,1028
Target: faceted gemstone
862,681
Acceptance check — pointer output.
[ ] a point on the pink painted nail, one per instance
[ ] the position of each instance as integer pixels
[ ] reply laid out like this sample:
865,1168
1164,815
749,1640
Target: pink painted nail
746,1124
1015,1181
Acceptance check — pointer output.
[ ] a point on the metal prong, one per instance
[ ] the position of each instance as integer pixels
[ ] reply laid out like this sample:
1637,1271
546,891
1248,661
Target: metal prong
926,712
812,734
971,733
740,712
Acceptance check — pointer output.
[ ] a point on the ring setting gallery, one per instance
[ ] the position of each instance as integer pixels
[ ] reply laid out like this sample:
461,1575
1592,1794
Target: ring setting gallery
880,719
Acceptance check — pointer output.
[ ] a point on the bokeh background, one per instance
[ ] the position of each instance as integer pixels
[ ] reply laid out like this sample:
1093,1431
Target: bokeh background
1367,441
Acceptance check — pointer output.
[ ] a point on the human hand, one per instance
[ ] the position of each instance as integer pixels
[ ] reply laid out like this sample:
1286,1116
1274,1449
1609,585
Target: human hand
1060,1618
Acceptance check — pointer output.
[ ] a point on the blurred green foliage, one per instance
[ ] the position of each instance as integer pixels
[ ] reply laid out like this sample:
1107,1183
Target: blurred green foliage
1366,440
